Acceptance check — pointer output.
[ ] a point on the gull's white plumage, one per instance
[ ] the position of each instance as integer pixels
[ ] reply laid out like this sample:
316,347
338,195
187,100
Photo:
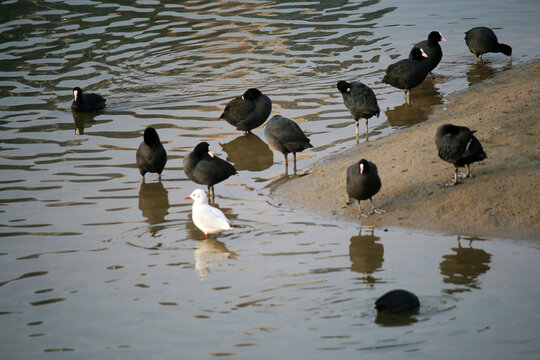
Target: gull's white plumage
208,219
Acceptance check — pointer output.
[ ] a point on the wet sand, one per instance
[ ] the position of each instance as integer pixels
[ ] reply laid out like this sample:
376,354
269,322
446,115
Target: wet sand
502,199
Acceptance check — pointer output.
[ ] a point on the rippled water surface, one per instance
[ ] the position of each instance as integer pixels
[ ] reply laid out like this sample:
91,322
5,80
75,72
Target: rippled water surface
96,264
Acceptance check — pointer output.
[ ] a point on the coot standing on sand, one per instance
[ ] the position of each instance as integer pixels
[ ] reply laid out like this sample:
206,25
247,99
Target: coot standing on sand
363,182
202,167
397,301
248,111
432,48
151,155
408,73
458,146
86,102
481,40
285,136
360,100
208,219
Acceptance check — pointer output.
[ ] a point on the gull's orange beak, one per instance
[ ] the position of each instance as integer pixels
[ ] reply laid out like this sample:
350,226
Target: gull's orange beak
188,197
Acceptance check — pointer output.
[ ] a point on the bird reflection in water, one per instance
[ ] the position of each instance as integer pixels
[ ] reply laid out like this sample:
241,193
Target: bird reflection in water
366,254
209,251
479,72
426,97
464,266
249,152
154,205
83,120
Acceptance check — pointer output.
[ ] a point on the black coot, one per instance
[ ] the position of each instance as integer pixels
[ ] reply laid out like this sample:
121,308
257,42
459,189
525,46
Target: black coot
360,100
432,48
458,146
86,102
481,40
202,167
248,111
408,73
363,182
151,155
397,301
285,136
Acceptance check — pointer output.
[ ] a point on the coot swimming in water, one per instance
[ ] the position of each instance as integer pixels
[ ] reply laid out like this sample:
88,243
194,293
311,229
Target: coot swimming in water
86,102
397,301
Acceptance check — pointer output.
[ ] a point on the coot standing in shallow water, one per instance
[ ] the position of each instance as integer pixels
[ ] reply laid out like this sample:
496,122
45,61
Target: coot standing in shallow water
397,301
248,111
202,167
481,40
363,182
408,73
151,155
285,136
86,102
432,48
458,146
208,219
360,100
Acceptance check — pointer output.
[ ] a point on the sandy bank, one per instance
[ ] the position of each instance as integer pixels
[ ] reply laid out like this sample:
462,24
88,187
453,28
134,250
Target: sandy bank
501,200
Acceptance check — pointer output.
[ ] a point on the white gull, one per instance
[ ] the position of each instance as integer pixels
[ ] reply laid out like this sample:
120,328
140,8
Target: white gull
208,219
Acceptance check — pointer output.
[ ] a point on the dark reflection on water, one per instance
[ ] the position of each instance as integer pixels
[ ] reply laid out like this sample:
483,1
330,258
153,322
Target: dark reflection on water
464,266
390,320
479,72
366,254
83,121
154,204
249,152
425,97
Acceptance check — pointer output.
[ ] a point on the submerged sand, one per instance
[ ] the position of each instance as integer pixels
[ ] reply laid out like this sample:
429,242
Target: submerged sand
502,199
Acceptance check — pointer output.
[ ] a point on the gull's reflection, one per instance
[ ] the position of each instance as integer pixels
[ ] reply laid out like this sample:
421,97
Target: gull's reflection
366,254
154,205
425,97
83,120
249,152
479,72
464,266
208,251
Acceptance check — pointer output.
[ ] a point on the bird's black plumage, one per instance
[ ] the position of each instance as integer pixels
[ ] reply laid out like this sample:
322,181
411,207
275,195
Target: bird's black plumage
432,48
202,167
86,102
458,146
285,136
151,155
363,182
481,40
360,100
397,301
408,73
248,111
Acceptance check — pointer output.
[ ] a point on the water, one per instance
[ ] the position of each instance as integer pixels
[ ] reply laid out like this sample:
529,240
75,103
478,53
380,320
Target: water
95,264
